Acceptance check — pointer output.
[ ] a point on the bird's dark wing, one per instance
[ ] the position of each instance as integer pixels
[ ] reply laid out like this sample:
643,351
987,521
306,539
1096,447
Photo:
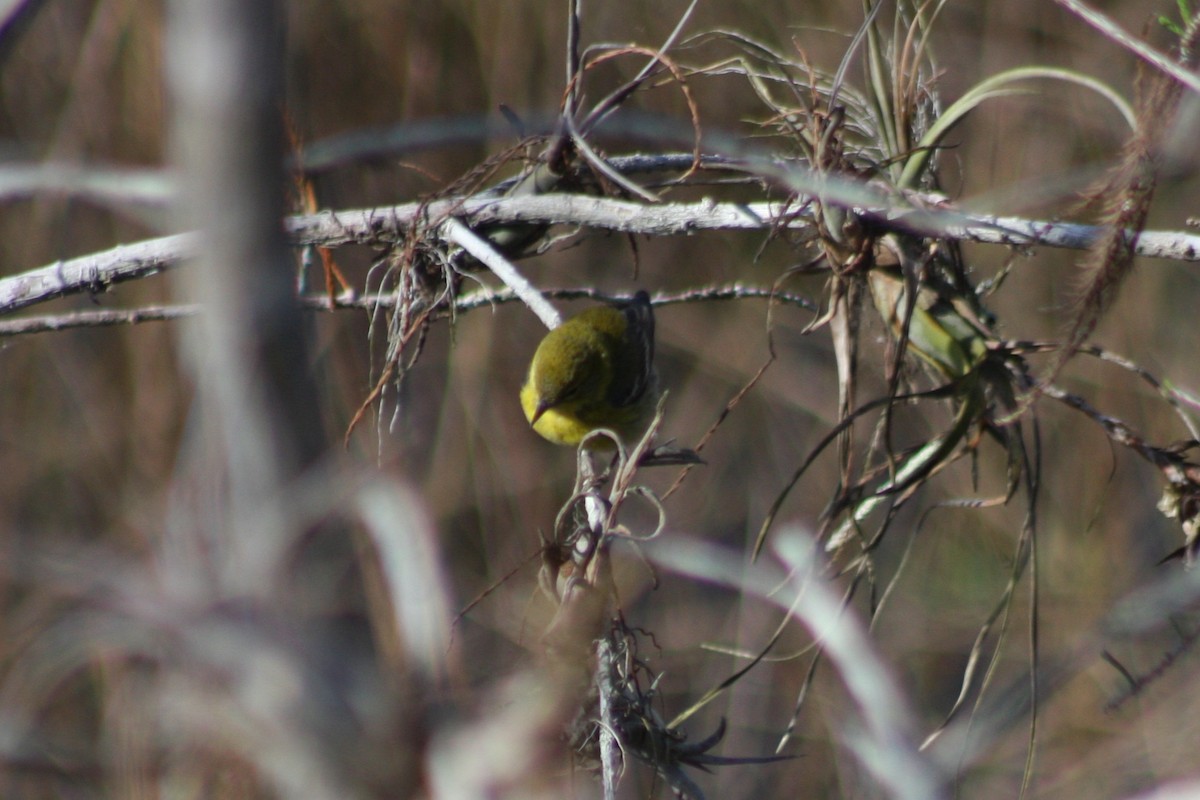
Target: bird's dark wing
630,385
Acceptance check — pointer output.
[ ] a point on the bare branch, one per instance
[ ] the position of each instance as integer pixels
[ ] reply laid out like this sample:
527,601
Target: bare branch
99,318
95,273
383,226
348,301
374,226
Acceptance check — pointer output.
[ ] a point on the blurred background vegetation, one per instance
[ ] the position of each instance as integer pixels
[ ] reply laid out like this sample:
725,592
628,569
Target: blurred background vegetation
93,421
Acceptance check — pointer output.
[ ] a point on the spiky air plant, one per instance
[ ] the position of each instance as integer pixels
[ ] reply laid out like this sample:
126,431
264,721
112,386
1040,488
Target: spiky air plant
930,307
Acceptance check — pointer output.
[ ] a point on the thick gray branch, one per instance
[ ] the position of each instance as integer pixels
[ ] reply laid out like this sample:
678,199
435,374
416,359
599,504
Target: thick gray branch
97,272
380,226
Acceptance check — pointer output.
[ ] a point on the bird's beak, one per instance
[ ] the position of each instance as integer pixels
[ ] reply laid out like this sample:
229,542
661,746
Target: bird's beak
542,408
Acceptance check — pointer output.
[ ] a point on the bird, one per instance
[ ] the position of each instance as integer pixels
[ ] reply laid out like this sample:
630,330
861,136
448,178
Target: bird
595,371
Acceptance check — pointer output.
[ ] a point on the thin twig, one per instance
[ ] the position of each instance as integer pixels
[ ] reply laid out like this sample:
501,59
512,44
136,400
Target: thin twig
610,761
348,301
95,319
465,238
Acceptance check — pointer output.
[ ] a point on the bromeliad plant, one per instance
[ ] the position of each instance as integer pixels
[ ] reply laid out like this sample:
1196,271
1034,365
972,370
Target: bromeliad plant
905,267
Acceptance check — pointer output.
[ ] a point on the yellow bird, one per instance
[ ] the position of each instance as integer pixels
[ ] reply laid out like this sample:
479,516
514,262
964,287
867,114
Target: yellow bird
596,370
